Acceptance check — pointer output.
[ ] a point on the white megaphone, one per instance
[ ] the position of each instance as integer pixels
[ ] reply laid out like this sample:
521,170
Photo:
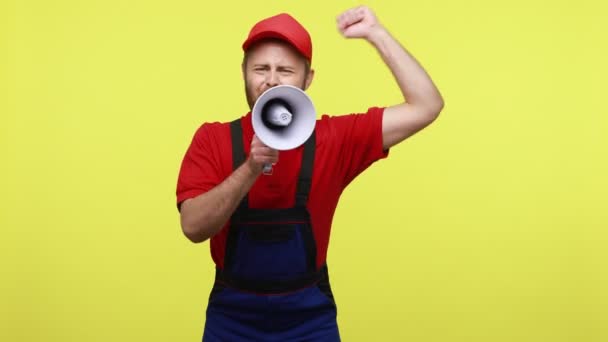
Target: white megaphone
283,118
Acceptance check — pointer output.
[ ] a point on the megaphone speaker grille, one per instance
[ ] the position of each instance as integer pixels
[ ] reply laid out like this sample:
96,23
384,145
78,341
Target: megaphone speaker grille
277,114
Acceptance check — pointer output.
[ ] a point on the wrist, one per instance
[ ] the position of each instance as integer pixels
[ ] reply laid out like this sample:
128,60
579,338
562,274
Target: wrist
251,169
377,34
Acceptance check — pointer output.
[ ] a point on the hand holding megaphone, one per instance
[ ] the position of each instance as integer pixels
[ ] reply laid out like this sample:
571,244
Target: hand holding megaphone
283,118
261,155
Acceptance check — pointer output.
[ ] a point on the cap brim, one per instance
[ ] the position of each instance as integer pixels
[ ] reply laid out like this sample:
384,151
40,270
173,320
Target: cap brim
270,35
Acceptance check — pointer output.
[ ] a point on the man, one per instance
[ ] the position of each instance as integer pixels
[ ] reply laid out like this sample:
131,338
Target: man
269,234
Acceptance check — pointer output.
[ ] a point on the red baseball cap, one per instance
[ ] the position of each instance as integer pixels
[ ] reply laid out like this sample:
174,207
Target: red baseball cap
285,27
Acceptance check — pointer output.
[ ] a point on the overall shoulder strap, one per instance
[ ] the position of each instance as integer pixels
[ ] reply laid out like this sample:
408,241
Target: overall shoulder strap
238,153
305,178
308,158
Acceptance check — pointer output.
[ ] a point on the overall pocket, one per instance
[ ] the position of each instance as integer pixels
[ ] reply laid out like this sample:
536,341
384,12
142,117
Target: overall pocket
271,251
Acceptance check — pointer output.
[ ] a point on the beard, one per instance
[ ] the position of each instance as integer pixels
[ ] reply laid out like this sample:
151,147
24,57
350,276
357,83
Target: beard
251,96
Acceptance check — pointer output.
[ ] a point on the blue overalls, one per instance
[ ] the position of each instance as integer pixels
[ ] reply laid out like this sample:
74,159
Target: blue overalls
270,288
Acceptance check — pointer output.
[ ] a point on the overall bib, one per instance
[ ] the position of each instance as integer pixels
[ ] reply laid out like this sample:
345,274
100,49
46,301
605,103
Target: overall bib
270,288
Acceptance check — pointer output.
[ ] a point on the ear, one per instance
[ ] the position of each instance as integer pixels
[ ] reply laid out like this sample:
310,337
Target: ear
309,78
244,66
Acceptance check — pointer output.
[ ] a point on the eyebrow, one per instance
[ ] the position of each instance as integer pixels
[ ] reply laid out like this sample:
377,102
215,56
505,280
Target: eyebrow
266,65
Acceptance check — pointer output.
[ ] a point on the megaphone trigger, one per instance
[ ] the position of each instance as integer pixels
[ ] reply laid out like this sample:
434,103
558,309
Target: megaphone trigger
267,170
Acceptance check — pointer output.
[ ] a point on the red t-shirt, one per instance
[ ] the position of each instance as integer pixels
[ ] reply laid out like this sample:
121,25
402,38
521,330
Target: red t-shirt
345,146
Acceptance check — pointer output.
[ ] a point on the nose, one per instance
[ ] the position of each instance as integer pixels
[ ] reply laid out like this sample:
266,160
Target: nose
273,79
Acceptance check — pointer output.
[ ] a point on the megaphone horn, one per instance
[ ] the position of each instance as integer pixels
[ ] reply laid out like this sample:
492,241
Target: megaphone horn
283,118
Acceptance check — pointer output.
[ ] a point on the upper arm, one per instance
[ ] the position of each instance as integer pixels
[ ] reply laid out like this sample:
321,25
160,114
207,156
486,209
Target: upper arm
201,167
404,120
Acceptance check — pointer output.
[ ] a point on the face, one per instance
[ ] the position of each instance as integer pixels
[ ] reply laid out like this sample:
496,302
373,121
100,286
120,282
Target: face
271,63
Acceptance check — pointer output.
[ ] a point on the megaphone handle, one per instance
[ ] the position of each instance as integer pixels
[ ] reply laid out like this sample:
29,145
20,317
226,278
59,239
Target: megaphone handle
267,170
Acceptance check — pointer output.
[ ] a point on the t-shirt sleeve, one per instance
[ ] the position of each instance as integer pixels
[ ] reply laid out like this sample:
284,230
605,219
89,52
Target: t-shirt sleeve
200,168
359,141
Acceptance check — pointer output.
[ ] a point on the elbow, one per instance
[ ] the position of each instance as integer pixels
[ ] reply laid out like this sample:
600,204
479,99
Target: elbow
192,232
440,105
434,109
437,106
194,237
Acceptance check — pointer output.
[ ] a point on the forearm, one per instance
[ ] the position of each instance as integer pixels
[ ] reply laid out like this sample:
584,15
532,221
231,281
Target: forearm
415,84
204,216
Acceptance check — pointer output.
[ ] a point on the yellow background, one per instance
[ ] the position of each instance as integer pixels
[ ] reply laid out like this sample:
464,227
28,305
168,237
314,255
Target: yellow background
490,225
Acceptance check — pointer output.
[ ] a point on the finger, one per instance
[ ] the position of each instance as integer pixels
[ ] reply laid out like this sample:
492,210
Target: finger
349,18
343,19
356,15
256,142
340,21
264,151
265,159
